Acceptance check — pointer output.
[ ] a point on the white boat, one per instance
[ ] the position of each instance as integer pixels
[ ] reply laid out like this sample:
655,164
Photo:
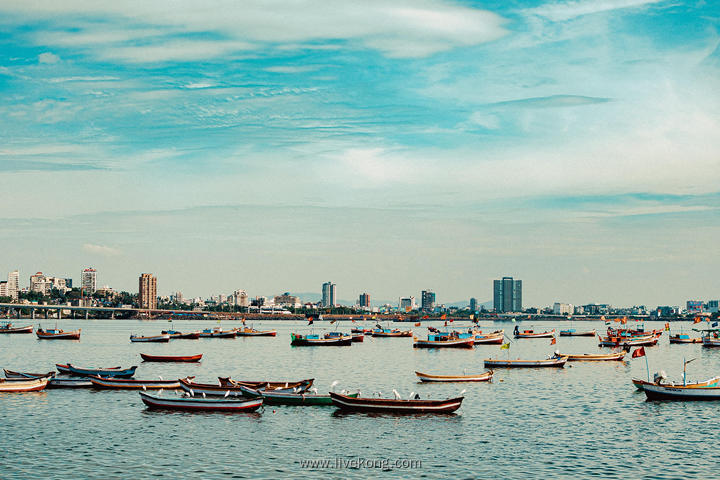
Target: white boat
557,362
154,338
479,377
680,392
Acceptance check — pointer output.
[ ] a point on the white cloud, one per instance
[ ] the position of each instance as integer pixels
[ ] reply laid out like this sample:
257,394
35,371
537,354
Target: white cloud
101,250
48,57
291,69
562,11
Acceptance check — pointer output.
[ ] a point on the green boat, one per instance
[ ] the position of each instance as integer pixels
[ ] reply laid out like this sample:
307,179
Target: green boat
288,398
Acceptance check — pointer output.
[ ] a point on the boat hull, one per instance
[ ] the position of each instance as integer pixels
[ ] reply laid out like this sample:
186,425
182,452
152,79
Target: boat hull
482,377
570,333
685,340
192,404
104,372
458,343
550,363
157,339
171,358
387,405
492,339
590,357
11,330
126,384
665,392
17,385
302,341
43,335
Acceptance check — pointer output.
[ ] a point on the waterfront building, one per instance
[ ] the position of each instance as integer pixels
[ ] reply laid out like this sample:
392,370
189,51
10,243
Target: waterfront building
364,300
39,284
712,306
694,306
666,311
507,295
147,295
329,294
427,300
473,304
407,303
88,281
4,289
287,300
563,308
239,298
596,309
13,284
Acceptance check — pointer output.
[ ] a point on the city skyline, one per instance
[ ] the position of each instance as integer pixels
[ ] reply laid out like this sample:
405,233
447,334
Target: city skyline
572,144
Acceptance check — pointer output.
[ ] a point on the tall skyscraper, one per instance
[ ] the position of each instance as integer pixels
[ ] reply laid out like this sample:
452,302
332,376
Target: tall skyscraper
13,284
364,300
473,304
147,295
88,281
329,292
507,295
427,302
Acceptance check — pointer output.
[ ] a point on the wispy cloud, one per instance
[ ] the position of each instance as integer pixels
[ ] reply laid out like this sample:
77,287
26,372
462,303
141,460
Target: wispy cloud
565,10
48,57
103,250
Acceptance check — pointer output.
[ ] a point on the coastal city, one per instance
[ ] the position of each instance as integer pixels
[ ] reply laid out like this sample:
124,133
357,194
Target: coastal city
506,300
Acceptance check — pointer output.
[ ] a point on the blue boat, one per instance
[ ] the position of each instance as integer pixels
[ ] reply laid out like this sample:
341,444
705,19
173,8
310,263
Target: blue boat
116,372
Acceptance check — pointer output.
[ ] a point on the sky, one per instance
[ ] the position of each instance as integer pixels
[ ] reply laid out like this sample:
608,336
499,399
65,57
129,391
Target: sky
387,146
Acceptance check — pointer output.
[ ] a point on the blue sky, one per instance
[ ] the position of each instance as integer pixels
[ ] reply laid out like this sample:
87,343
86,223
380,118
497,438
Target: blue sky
387,146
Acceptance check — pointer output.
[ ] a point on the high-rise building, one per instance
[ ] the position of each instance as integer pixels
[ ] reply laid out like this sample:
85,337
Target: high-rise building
239,298
473,304
407,303
147,295
39,284
329,294
13,284
88,281
364,300
428,300
507,295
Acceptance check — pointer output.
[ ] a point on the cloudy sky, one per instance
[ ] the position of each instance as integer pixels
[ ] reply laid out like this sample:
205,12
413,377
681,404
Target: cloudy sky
388,146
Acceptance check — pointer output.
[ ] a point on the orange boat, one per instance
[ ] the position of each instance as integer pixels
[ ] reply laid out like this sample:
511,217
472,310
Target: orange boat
55,334
171,358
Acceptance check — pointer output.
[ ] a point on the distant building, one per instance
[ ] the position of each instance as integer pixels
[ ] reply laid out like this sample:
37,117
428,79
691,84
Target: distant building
507,295
258,301
147,295
13,284
473,304
329,294
39,284
287,300
88,281
4,289
712,306
666,311
427,301
563,309
407,303
68,283
364,300
239,298
596,309
694,306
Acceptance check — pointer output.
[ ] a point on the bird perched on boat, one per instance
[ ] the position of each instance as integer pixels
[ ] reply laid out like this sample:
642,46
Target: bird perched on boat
397,394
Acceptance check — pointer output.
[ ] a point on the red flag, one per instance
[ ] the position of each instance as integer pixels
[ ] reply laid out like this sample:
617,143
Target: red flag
425,317
443,316
417,324
697,320
451,320
639,352
553,341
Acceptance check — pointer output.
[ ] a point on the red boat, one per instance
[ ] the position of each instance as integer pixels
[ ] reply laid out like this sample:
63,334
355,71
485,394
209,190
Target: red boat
390,405
55,334
171,358
358,337
191,403
8,328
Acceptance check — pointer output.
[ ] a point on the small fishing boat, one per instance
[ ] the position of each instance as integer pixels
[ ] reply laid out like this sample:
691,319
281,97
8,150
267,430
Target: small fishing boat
298,386
478,377
251,332
394,332
647,340
594,357
56,334
339,335
532,334
680,392
236,387
684,338
312,340
18,385
217,332
574,333
154,338
191,403
358,337
14,374
558,362
494,338
118,372
363,331
394,405
711,382
446,340
175,335
9,328
128,384
55,380
171,358
289,398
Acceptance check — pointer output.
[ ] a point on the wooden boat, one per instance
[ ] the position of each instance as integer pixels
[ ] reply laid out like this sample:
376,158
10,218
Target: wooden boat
684,338
647,340
236,387
632,332
573,333
55,381
289,398
478,377
117,372
494,338
201,404
680,392
312,340
175,335
711,382
300,385
391,405
14,374
18,385
251,332
387,332
532,334
363,331
339,335
154,338
171,358
594,357
358,337
8,328
446,340
55,334
217,333
557,362
127,384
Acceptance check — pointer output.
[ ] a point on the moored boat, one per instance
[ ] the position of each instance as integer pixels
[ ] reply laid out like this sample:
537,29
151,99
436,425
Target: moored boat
394,405
128,384
446,340
647,340
298,386
217,332
118,372
9,328
493,338
711,382
593,357
479,377
56,334
191,403
394,332
152,338
251,332
19,385
55,380
290,398
684,338
557,362
171,358
358,337
532,334
680,392
574,333
312,339
175,335
227,385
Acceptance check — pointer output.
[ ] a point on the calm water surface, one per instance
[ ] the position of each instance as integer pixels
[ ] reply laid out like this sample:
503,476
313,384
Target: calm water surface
582,421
